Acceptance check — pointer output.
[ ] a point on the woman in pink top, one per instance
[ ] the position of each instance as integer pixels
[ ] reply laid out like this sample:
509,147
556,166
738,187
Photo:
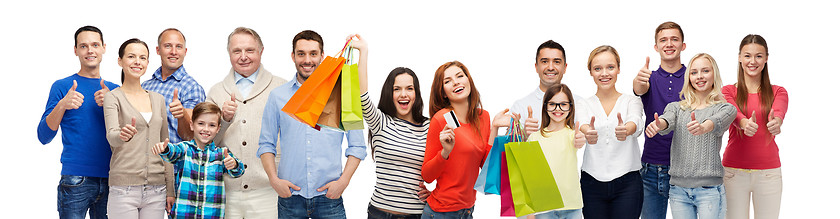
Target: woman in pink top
752,156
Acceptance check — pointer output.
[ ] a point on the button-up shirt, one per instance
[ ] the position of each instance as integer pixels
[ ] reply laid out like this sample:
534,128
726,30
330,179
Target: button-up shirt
664,88
244,84
201,193
190,93
310,158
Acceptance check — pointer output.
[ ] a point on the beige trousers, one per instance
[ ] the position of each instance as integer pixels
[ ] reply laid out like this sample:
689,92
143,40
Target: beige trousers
763,186
145,201
257,203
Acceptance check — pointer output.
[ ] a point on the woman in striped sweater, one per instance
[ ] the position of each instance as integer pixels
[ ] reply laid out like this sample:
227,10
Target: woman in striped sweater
398,140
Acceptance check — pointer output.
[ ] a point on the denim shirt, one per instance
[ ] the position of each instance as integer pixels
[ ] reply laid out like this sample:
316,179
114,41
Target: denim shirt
310,158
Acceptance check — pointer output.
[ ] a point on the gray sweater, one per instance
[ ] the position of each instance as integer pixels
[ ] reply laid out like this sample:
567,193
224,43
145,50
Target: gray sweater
695,160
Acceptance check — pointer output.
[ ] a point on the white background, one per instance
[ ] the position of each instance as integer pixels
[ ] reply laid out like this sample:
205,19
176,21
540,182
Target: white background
496,41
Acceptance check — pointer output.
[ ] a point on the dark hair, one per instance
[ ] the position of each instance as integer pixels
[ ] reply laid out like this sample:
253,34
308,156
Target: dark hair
765,89
668,25
386,103
174,29
87,28
206,108
439,101
121,52
308,35
549,93
550,44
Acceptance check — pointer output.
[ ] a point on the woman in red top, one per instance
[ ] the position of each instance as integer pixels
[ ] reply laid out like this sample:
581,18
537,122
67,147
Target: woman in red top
454,154
752,156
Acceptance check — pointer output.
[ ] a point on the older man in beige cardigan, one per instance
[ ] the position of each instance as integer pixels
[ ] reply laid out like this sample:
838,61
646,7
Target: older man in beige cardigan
242,95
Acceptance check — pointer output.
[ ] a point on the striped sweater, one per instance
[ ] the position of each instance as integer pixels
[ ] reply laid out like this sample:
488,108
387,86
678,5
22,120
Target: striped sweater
398,150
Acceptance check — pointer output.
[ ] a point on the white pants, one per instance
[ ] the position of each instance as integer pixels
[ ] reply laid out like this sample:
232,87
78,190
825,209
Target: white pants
144,201
257,203
765,187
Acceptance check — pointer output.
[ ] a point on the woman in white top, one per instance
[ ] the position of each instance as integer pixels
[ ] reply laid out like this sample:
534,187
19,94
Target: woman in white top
397,131
610,180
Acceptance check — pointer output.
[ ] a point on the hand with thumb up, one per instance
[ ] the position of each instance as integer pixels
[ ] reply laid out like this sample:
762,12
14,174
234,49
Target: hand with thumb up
160,147
580,138
621,129
73,99
655,126
230,163
696,128
175,106
128,131
100,94
590,132
229,108
774,123
749,125
531,124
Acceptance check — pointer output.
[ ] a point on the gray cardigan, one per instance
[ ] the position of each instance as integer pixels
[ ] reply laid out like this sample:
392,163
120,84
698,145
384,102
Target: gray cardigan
132,162
695,160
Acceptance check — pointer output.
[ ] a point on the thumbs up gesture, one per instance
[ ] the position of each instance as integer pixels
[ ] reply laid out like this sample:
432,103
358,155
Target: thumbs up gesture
73,99
230,163
229,108
644,74
621,129
695,128
580,138
774,123
175,106
749,125
589,132
128,131
160,147
531,124
654,127
100,94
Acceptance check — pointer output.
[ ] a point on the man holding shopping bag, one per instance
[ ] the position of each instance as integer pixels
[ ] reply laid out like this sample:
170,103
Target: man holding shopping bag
309,178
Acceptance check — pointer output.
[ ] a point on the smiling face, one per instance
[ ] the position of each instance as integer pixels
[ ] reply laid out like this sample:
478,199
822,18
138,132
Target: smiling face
134,61
307,56
557,107
171,49
753,59
89,48
456,84
404,96
701,75
604,70
550,67
669,44
245,53
205,127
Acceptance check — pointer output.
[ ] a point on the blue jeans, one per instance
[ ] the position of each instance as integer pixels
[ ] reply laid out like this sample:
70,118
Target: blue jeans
376,213
80,195
702,202
465,213
562,214
320,206
656,181
619,198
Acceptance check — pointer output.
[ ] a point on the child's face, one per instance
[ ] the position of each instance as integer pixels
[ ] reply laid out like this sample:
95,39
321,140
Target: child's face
205,127
701,75
558,108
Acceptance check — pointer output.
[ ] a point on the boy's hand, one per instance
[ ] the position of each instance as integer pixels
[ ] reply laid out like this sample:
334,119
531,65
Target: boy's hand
159,148
230,163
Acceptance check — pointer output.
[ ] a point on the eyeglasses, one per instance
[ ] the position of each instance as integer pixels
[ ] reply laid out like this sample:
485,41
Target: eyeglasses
563,106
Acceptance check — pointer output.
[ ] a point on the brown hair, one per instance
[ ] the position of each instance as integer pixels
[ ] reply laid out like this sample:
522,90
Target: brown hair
600,49
669,25
244,30
206,108
549,93
439,101
308,35
765,89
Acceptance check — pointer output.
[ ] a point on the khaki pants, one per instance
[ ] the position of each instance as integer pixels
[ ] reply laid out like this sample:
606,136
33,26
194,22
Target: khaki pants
144,202
257,203
765,187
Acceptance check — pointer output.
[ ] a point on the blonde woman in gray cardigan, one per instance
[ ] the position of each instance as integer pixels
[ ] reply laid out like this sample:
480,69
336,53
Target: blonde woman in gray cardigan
135,119
699,121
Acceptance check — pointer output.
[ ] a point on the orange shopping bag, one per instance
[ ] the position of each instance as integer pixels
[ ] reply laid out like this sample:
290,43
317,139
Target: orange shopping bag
308,102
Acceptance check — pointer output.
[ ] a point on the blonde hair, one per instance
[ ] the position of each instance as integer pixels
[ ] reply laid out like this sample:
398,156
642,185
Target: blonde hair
688,94
599,50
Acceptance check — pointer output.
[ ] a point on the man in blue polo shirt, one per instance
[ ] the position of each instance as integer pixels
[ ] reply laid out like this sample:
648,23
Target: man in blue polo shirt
657,89
75,106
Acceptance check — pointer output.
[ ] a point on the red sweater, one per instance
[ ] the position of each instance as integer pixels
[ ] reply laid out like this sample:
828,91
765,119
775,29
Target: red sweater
759,151
455,176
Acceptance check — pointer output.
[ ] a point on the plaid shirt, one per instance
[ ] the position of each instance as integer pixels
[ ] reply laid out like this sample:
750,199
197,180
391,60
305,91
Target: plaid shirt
189,92
201,188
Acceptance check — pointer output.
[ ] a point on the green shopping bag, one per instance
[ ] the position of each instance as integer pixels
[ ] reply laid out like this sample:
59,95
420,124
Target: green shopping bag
531,182
351,100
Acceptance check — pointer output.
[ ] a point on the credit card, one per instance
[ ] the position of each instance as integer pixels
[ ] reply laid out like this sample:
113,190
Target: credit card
451,119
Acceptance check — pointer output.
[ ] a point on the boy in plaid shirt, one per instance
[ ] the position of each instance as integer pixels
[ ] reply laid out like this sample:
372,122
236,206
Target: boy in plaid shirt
201,190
